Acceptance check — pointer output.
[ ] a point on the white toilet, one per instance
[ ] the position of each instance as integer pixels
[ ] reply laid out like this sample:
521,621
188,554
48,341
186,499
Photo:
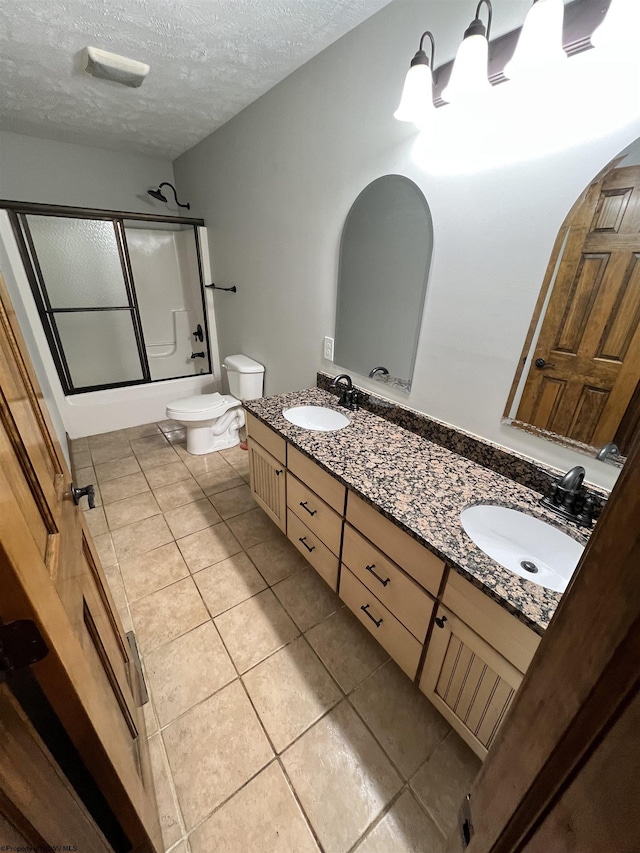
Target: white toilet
213,420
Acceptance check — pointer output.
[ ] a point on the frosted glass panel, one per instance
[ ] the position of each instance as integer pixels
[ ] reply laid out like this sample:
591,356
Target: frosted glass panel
80,262
100,347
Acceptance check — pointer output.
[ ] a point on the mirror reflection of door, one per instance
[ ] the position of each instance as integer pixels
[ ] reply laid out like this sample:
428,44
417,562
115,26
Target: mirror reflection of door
584,370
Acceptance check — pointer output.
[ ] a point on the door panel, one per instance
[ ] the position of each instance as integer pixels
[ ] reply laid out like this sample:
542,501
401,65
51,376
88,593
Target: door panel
50,573
588,349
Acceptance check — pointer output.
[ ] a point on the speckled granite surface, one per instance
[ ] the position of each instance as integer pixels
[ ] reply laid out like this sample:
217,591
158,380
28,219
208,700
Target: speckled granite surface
423,487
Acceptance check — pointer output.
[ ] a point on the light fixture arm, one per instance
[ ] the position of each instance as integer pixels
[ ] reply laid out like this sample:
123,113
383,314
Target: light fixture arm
175,194
430,62
476,27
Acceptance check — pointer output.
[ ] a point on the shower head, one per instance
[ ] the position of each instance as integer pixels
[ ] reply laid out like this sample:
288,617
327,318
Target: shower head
157,193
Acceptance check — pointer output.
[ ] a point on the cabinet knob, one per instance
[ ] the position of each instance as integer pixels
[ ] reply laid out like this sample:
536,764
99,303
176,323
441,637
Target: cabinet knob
440,621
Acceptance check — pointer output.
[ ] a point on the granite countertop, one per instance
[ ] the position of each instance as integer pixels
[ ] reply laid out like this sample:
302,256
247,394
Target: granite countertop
422,487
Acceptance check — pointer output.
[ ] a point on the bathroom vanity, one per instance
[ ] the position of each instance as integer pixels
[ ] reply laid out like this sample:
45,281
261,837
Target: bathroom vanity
375,509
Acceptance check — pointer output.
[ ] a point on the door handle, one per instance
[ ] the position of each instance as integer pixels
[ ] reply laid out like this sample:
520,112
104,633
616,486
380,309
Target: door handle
89,491
540,363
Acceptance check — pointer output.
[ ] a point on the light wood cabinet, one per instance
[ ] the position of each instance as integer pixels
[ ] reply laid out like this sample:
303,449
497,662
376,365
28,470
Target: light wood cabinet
469,682
323,560
314,513
268,483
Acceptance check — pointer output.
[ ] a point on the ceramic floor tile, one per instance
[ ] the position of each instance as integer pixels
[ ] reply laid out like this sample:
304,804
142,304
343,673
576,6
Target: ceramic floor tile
81,459
213,750
116,586
96,521
150,721
290,691
443,781
141,446
105,549
140,537
129,510
101,439
203,464
346,648
156,458
253,527
191,517
264,816
178,494
228,583
164,475
405,723
237,458
233,501
341,776
176,436
167,614
254,629
110,452
165,798
307,598
186,670
219,480
84,476
116,468
78,444
123,487
167,425
405,828
153,570
132,433
208,546
276,558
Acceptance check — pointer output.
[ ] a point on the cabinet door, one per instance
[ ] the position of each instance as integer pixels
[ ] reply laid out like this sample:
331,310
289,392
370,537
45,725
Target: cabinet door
468,681
267,480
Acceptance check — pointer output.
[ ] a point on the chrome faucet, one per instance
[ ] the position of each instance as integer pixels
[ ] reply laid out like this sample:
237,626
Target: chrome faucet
568,497
349,396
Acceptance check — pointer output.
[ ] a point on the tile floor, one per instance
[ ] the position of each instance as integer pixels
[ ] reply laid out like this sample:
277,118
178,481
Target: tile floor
276,723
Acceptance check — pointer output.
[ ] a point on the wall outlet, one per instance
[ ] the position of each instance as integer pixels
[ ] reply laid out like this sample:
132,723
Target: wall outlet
328,349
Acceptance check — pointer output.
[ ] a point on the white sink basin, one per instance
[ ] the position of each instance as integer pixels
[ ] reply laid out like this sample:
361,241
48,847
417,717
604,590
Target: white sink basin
316,417
523,544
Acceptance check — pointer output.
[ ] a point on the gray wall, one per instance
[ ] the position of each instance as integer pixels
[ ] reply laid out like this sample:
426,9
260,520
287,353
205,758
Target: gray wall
50,172
275,184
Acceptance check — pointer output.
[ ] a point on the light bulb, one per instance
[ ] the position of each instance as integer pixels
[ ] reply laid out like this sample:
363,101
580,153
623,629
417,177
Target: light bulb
416,104
620,28
469,78
539,47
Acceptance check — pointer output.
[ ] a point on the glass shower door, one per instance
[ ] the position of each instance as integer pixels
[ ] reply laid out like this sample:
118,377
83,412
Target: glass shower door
86,301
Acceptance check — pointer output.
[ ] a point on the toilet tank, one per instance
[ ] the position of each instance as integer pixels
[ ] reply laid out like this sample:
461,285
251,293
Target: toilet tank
246,377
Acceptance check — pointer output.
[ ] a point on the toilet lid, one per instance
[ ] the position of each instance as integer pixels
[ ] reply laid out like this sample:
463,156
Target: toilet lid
199,403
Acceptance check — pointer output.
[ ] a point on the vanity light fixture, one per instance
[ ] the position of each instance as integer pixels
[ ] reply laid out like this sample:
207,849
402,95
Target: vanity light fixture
469,78
416,104
157,193
539,48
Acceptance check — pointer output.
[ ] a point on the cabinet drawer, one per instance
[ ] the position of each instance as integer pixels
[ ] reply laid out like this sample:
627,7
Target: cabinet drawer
383,625
507,634
264,435
323,561
323,484
314,513
396,590
414,558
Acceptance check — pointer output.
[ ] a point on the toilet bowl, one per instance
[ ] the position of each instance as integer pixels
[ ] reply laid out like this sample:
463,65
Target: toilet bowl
213,420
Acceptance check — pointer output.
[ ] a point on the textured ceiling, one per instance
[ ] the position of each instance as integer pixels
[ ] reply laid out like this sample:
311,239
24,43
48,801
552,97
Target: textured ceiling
209,59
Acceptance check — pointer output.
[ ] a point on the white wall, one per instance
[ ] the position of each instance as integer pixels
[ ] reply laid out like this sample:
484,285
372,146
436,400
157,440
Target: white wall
51,172
276,183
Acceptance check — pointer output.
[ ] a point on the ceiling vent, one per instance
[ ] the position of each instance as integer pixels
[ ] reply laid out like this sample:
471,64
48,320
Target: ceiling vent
110,66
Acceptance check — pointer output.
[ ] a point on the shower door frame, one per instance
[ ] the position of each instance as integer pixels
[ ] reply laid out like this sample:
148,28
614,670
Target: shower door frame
18,212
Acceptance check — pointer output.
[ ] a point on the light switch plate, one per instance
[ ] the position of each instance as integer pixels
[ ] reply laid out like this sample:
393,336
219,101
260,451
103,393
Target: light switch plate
328,349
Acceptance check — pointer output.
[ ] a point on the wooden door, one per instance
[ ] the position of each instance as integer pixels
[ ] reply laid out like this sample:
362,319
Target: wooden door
588,350
50,573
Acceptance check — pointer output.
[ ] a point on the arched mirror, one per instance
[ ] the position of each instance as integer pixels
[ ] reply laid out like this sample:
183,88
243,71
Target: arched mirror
385,256
578,381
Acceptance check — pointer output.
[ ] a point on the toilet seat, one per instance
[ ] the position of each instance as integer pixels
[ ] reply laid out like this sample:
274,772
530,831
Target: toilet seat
202,407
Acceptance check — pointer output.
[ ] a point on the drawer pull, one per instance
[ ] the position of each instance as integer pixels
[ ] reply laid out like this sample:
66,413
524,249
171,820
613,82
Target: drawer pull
376,622
303,504
309,549
376,576
440,621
